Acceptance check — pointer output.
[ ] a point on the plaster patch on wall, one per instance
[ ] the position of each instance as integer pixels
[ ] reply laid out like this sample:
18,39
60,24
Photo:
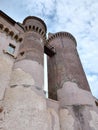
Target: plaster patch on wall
33,68
5,72
25,110
94,122
54,119
66,120
19,77
71,94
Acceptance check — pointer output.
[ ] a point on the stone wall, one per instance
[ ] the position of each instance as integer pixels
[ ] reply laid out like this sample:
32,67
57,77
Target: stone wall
23,105
6,61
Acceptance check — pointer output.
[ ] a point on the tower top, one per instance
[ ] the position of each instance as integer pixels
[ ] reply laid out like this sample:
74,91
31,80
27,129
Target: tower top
52,36
36,21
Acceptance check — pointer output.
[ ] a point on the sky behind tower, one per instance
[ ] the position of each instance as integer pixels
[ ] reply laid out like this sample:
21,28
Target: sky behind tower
79,17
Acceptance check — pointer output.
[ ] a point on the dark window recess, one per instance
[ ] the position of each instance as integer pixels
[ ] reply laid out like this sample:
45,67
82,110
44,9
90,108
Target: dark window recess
39,30
22,53
29,26
11,48
16,37
33,27
26,27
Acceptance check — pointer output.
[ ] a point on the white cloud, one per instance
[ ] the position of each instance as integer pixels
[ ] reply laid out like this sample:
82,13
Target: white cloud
40,7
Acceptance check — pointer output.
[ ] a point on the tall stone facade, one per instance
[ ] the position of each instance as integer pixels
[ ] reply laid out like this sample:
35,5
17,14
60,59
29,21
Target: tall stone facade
23,104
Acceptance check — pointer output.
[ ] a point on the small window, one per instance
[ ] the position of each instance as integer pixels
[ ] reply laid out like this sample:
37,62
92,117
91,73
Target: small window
29,26
40,30
37,29
11,48
26,27
33,27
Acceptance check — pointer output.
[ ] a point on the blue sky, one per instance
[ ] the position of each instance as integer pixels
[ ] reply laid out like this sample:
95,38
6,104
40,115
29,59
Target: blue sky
79,17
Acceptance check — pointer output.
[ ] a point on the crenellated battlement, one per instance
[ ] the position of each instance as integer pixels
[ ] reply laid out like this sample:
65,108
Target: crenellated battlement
10,33
32,23
52,36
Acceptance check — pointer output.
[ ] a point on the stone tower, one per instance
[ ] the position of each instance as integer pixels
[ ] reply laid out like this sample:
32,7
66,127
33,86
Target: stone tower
65,65
30,55
67,81
23,105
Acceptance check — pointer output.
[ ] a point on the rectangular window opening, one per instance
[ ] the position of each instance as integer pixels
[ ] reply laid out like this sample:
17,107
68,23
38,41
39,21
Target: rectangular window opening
11,49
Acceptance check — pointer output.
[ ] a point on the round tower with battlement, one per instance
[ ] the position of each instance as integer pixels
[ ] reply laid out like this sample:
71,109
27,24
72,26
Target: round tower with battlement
31,53
26,105
68,83
65,65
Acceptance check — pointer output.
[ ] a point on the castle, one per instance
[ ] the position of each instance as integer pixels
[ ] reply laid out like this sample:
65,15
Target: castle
23,105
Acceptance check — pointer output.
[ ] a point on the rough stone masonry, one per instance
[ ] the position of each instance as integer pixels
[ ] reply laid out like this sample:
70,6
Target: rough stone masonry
23,104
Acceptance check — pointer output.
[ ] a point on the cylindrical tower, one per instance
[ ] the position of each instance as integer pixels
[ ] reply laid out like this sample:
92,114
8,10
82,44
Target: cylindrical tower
25,103
31,54
68,83
65,65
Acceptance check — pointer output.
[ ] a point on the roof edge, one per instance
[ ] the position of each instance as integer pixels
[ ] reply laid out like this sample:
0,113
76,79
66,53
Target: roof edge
9,19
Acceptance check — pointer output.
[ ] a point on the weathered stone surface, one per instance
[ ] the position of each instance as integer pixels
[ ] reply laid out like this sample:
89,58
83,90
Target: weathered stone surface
53,104
5,74
94,121
32,47
71,94
53,108
54,119
66,120
19,77
25,110
81,116
83,119
34,69
65,65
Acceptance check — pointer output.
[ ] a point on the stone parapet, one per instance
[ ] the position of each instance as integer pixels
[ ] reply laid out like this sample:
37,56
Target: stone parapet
35,24
10,33
52,36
